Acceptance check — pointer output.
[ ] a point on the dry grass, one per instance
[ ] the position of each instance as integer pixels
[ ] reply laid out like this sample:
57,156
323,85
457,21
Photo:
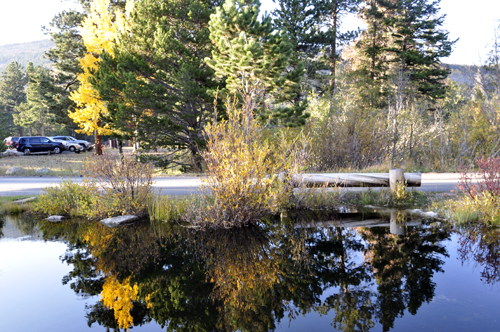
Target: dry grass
59,164
64,164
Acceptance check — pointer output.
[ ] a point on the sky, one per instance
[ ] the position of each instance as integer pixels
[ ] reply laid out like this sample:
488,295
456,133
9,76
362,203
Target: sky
472,22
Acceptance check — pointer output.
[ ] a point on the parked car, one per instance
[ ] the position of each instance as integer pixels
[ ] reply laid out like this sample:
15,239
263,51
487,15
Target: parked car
11,142
86,145
70,145
27,145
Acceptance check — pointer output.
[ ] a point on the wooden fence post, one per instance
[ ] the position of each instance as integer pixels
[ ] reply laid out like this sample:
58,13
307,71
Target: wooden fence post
395,176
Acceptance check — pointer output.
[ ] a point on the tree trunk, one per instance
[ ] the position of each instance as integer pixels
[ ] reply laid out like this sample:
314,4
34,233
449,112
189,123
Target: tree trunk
120,150
98,140
333,55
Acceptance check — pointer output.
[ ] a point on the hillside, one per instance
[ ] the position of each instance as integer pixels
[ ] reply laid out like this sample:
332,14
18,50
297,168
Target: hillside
463,73
24,53
34,51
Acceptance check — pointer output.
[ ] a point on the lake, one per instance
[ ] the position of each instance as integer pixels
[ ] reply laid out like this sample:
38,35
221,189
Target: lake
295,272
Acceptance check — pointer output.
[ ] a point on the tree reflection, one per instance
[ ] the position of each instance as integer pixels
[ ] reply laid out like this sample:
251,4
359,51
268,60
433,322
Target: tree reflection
250,278
480,244
403,267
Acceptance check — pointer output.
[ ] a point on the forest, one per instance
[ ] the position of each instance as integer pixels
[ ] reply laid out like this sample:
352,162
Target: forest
158,72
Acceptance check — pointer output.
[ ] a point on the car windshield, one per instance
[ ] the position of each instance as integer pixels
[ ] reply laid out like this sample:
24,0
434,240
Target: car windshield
71,139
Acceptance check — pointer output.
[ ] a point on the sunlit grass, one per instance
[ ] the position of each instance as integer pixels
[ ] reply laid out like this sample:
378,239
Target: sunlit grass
7,205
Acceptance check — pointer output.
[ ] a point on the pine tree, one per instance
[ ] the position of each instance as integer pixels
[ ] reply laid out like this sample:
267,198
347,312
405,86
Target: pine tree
12,84
302,20
252,56
157,87
314,28
404,36
36,113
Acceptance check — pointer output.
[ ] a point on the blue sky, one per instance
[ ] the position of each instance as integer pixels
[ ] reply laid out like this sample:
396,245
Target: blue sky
471,21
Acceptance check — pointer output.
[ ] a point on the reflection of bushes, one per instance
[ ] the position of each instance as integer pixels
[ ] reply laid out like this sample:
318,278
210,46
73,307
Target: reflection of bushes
480,244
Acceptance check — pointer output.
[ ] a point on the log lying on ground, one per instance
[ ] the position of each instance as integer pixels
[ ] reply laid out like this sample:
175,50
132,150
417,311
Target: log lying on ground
354,179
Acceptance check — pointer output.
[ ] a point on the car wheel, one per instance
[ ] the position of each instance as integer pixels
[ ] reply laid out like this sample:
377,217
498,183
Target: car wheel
27,151
56,150
72,148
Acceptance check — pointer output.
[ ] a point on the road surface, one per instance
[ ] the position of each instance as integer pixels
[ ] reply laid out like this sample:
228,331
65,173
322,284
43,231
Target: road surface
185,185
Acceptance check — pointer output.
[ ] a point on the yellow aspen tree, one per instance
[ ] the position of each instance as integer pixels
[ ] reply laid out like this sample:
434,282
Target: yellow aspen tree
99,31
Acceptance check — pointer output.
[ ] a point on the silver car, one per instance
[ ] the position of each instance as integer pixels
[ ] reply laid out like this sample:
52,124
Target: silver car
70,145
86,145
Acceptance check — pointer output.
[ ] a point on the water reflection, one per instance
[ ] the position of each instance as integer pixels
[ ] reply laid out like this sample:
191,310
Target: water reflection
255,277
480,245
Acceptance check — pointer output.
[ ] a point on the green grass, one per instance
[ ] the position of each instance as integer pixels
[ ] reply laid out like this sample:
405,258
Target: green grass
7,205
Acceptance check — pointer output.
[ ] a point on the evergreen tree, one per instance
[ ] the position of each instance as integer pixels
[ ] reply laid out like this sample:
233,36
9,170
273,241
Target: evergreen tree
302,21
404,36
69,47
314,28
253,58
156,85
417,43
12,84
35,113
370,65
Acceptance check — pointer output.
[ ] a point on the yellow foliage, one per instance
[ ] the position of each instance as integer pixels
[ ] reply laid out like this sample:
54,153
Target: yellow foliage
99,31
119,296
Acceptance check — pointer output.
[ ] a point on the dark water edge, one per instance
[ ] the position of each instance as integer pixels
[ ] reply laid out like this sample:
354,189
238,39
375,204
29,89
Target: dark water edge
298,272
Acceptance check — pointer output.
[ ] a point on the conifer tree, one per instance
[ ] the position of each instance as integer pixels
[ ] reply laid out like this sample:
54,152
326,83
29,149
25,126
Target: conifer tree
157,87
404,36
252,56
12,93
302,21
36,113
314,28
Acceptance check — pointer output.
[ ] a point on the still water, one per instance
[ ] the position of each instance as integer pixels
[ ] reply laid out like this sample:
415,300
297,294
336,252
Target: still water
307,272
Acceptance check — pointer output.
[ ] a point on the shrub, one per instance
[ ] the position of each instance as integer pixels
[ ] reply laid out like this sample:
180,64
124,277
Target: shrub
111,187
68,198
244,161
123,185
488,176
482,198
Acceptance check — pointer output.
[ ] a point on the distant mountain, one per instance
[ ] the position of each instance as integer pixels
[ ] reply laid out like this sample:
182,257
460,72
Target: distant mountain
24,53
34,51
463,73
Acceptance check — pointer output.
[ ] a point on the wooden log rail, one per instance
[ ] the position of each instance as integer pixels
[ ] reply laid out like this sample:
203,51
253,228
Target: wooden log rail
357,179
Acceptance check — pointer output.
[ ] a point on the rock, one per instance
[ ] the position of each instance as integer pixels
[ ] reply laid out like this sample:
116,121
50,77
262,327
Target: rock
118,221
21,201
55,218
428,214
10,153
14,171
42,171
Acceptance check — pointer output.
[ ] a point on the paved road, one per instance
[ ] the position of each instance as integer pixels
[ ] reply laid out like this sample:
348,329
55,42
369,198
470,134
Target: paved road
185,185
10,186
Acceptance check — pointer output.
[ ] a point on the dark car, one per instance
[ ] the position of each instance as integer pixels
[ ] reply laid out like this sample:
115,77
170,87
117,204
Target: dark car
32,144
11,142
